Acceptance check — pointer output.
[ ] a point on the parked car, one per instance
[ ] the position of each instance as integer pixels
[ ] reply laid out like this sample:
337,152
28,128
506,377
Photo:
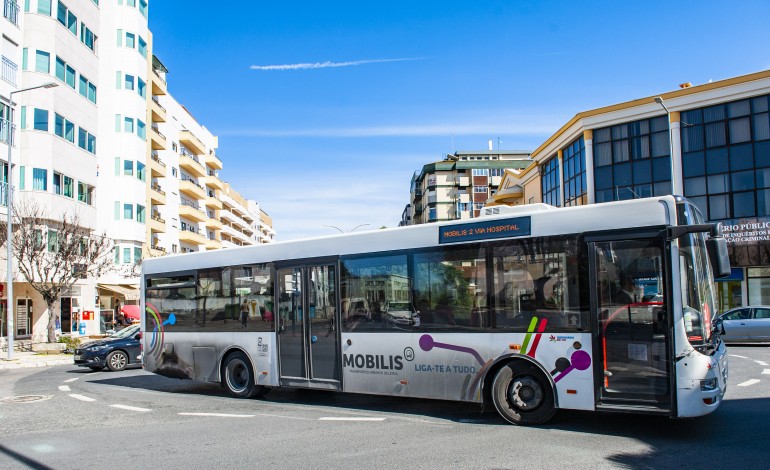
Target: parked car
744,324
400,315
115,352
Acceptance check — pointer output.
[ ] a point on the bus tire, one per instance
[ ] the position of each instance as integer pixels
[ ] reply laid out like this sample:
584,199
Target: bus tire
238,376
522,395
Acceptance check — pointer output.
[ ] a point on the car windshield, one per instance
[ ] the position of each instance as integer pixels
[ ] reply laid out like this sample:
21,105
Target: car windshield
125,332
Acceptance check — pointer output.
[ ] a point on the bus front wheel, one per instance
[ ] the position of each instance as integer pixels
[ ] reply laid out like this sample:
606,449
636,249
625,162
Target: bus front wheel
522,395
238,376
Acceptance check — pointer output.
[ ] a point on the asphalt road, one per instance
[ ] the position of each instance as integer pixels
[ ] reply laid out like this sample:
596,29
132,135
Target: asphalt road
64,417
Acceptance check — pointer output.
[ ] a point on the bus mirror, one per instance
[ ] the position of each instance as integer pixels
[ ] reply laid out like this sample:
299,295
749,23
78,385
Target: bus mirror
718,257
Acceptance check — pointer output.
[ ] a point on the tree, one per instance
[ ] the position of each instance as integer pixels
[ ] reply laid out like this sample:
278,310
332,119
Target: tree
55,253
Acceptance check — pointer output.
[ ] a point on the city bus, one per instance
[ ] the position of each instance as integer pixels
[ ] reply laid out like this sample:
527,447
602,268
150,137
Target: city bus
527,309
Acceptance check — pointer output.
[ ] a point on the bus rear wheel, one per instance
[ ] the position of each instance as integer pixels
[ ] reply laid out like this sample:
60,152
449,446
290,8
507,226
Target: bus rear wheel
238,376
522,395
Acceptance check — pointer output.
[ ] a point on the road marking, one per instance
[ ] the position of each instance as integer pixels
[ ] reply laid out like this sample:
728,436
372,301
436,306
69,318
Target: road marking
761,363
81,397
766,372
749,382
130,408
218,415
71,380
340,418
64,388
735,355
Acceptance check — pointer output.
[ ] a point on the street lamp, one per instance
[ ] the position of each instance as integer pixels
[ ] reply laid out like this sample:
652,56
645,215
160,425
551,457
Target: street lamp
9,204
659,100
342,231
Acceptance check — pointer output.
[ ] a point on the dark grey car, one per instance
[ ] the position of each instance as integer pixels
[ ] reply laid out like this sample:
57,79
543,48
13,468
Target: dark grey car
745,324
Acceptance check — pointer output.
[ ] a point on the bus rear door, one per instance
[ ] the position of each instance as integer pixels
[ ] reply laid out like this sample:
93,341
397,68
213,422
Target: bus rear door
307,325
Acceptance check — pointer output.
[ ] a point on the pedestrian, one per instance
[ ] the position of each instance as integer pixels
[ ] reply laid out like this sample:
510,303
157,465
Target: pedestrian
244,313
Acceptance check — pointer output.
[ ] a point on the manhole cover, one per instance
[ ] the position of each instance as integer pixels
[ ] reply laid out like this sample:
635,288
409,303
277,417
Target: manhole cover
25,399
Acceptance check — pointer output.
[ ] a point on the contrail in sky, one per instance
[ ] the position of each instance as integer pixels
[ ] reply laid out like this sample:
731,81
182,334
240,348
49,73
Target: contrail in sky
325,65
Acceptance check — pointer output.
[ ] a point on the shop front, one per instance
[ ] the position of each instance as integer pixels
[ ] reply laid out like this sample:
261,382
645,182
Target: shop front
748,242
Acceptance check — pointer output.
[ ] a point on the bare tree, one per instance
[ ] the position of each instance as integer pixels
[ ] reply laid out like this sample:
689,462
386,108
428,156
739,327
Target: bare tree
53,254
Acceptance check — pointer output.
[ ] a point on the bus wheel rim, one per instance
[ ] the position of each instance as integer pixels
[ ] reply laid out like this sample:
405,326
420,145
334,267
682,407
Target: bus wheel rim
525,393
237,375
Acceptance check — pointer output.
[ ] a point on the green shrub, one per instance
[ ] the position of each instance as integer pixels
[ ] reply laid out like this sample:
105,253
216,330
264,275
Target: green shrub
71,342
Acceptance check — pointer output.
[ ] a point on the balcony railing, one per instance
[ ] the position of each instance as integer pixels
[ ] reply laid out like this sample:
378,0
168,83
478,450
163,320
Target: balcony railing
157,189
156,217
11,11
190,180
9,71
155,99
7,131
4,194
157,159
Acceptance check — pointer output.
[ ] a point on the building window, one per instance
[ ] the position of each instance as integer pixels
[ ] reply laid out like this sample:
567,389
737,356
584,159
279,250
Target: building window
130,40
128,167
87,89
128,125
87,37
41,120
726,158
142,47
39,179
632,160
140,171
480,189
42,62
44,7
480,172
127,255
550,181
140,213
574,162
128,82
128,211
85,193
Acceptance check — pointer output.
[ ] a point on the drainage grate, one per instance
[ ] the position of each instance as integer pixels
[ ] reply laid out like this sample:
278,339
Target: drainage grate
25,399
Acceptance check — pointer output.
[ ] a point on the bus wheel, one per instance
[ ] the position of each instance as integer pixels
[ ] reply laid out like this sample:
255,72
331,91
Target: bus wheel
522,395
238,377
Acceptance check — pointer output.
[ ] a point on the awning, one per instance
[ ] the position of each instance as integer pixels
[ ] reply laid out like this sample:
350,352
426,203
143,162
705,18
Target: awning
128,292
130,311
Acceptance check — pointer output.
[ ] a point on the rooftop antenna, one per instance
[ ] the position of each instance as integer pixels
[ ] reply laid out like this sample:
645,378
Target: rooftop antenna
498,143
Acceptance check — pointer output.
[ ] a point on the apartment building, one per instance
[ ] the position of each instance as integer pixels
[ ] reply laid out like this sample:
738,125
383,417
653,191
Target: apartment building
458,186
708,142
100,136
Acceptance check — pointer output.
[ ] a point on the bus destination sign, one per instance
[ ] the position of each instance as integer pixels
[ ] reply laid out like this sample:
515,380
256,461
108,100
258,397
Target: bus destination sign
517,227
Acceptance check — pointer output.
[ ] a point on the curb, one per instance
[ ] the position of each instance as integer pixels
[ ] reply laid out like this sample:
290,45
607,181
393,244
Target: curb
13,364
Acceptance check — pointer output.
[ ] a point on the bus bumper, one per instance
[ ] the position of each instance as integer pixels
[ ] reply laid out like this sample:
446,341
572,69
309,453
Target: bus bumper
702,382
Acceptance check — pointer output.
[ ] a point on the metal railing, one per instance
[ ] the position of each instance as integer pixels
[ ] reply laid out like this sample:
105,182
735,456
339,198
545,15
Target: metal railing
9,71
4,194
7,131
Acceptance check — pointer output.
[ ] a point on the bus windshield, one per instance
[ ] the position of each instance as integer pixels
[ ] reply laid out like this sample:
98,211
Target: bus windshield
698,298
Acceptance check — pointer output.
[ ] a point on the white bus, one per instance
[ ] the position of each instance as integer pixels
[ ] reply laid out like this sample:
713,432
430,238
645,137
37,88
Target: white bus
604,307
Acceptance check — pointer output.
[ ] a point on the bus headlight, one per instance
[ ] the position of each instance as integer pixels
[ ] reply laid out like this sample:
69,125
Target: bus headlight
708,385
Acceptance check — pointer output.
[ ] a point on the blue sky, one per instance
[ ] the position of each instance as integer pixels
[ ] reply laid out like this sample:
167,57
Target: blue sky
324,110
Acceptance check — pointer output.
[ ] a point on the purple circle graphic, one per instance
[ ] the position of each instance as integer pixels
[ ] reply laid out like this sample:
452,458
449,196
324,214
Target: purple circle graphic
581,360
426,342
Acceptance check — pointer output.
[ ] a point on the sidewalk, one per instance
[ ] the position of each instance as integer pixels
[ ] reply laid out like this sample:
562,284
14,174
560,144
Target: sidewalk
25,359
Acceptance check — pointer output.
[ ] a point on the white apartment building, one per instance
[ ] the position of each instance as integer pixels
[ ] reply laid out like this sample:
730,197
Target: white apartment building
94,143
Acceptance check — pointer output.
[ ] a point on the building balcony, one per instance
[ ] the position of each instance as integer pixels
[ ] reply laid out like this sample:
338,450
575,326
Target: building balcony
158,140
158,112
157,166
158,77
192,212
191,164
157,250
213,224
213,202
213,244
157,196
156,224
192,237
192,189
189,140
212,161
214,182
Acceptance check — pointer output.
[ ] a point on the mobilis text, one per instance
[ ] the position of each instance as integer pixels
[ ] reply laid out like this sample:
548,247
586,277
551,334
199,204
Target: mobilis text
369,361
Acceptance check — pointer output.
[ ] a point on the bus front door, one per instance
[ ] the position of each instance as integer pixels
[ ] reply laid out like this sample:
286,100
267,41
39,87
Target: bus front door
631,343
307,334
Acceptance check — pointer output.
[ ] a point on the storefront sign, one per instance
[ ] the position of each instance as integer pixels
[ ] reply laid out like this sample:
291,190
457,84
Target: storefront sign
741,231
516,227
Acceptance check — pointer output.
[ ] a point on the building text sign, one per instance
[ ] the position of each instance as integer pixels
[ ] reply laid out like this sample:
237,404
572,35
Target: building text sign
516,227
743,231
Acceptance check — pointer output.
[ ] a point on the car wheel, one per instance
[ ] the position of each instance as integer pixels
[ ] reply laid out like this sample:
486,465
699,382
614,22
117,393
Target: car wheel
117,361
522,395
238,376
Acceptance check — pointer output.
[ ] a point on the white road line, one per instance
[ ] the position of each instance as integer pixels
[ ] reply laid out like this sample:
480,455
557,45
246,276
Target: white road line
218,415
130,408
761,363
749,382
735,355
71,380
81,397
340,418
64,388
766,372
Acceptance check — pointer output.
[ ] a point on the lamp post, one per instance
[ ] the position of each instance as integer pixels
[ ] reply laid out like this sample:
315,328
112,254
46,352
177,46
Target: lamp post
659,100
10,310
342,231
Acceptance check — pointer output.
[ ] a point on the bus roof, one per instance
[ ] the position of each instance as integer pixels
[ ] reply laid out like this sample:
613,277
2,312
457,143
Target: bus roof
655,211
